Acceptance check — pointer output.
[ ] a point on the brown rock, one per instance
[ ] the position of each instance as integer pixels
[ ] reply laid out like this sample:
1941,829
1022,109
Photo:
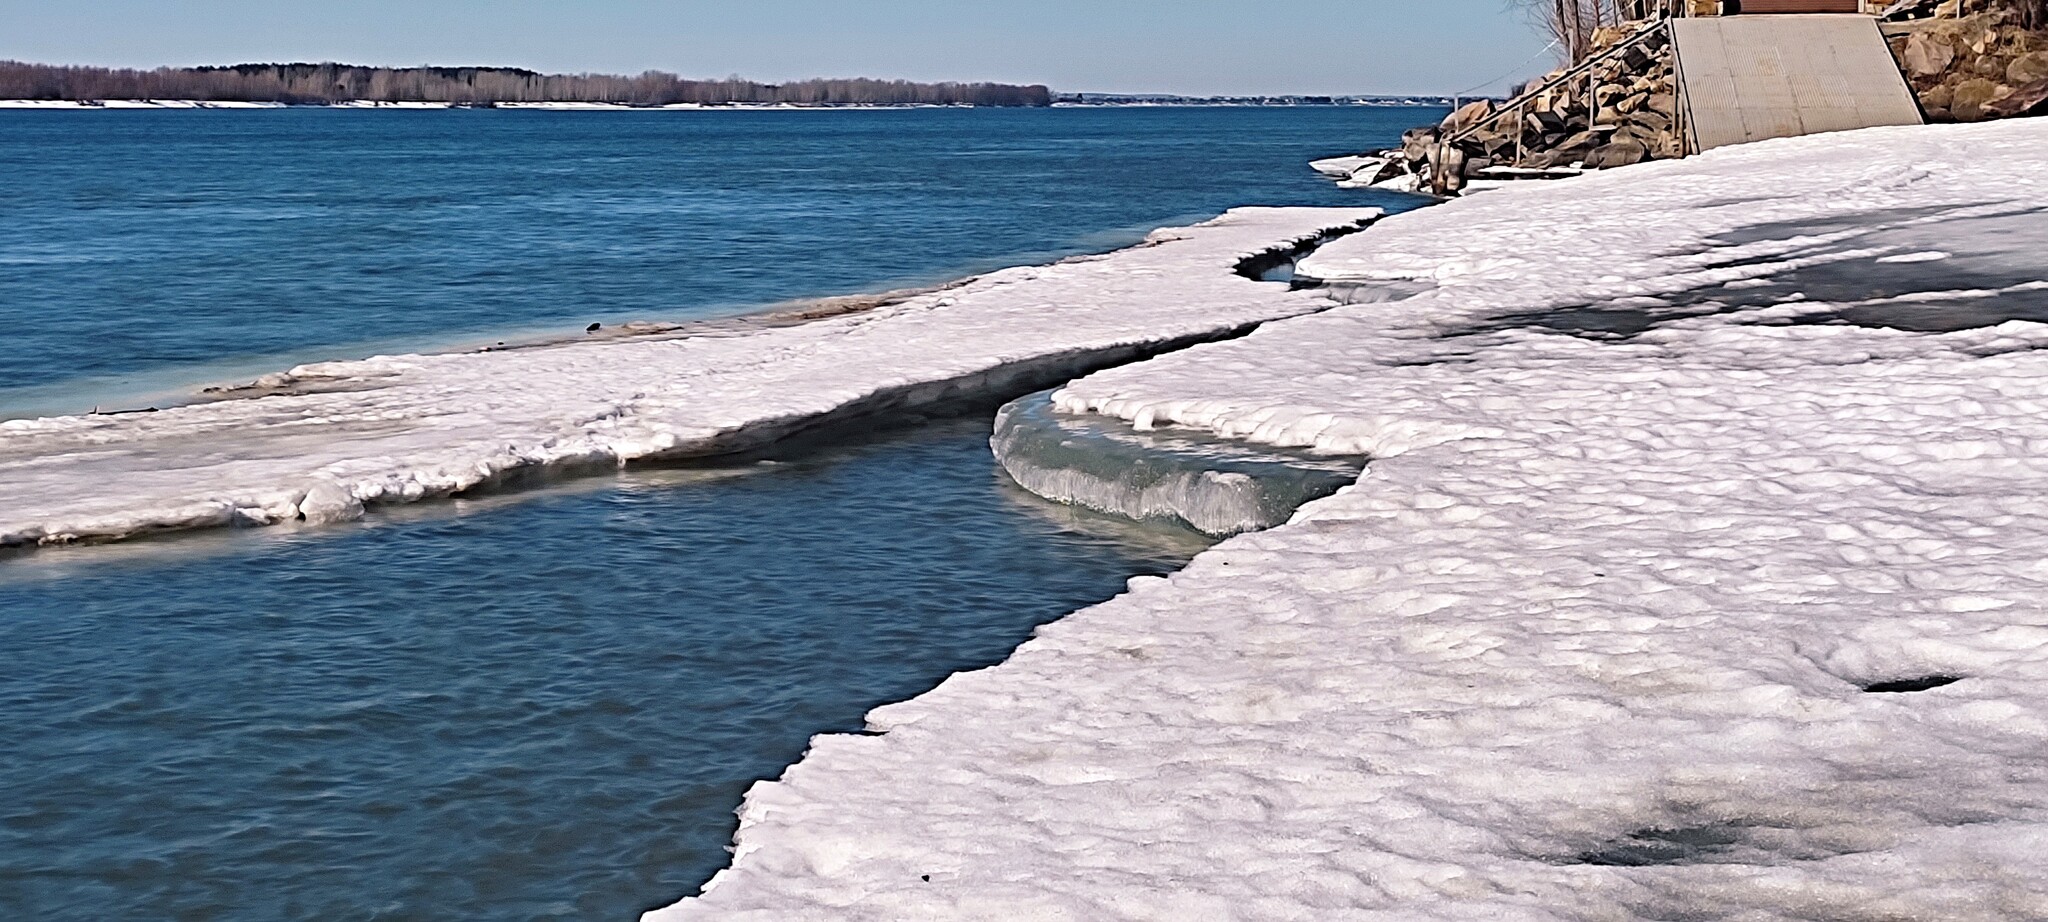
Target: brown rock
1972,96
1468,116
1941,97
1654,122
1664,103
1927,56
1451,169
1416,143
1545,122
1620,153
2031,99
1581,142
2027,68
1392,168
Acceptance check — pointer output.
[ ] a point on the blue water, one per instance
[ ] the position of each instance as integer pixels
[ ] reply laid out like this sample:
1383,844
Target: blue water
144,251
538,706
542,705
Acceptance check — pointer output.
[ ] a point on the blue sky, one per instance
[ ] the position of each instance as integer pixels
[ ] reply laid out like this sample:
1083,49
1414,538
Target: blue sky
1186,46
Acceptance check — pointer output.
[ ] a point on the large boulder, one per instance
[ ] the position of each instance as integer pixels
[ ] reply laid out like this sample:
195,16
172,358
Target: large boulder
1544,122
2027,68
1651,121
1972,96
1619,153
1927,56
1450,173
1418,143
1468,116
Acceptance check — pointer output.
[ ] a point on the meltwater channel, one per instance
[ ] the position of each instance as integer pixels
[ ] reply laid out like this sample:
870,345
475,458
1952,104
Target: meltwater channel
544,704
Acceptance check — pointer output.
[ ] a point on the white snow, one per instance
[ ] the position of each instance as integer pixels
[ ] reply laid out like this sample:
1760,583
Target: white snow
66,104
1343,167
1587,640
336,437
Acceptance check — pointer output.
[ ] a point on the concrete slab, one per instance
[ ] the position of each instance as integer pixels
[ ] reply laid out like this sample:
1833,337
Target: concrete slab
1751,78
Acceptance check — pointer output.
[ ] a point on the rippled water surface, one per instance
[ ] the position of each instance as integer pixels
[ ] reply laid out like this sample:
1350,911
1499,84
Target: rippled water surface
141,252
535,706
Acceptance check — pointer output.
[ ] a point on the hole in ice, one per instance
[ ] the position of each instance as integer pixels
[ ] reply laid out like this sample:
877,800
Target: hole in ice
1919,684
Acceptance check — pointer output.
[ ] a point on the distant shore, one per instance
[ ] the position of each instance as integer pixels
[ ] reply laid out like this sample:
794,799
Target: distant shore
130,104
1090,103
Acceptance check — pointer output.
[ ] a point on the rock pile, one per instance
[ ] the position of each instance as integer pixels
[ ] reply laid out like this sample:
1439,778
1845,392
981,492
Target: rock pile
1623,111
1974,67
1971,60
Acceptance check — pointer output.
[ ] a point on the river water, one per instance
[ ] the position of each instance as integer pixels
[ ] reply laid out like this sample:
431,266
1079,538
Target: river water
544,704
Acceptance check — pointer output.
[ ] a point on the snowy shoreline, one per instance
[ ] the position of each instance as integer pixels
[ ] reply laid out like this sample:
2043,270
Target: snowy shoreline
1697,574
325,441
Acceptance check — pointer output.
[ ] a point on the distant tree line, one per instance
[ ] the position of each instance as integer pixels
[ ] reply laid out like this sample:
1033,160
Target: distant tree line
320,84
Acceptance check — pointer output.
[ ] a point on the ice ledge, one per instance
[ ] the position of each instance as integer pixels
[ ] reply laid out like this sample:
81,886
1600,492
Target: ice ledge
1214,486
336,438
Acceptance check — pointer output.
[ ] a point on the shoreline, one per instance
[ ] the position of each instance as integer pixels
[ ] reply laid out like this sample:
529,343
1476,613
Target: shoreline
177,388
183,389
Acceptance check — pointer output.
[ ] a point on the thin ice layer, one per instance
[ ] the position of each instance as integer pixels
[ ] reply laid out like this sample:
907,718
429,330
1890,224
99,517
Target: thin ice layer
333,438
1624,621
1215,486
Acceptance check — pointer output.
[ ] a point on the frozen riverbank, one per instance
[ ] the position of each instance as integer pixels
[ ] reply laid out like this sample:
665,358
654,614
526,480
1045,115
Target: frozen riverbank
1697,575
324,441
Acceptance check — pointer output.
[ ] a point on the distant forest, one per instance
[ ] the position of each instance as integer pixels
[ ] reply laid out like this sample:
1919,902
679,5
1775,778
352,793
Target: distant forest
324,84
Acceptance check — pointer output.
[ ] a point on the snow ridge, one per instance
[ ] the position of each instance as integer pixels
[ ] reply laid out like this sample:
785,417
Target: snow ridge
327,440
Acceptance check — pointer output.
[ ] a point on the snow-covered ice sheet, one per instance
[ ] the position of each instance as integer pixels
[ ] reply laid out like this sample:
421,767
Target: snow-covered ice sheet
325,440
1699,574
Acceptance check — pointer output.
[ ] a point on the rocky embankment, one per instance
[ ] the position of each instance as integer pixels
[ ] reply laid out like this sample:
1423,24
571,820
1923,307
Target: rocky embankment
1973,68
1966,62
1625,111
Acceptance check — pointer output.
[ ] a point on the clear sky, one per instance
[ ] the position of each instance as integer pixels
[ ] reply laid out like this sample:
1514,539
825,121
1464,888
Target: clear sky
1172,46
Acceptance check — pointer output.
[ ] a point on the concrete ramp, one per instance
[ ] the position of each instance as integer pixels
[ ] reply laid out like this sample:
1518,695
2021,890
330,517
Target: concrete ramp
1750,78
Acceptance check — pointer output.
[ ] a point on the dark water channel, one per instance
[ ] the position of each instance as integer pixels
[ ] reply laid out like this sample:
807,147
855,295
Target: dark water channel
533,706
